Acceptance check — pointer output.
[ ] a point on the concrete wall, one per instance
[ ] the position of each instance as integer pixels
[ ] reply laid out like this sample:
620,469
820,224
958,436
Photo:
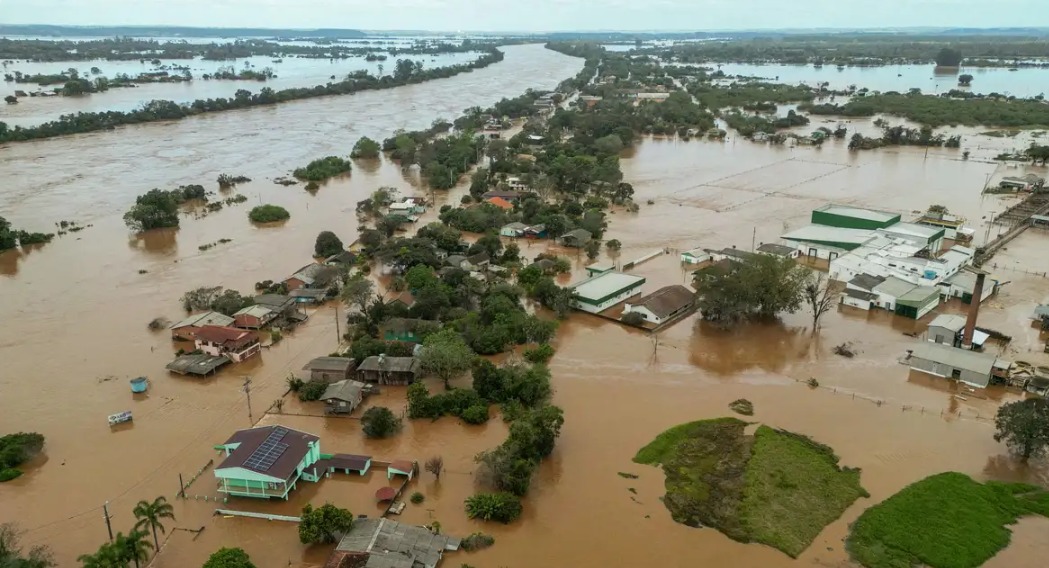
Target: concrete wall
942,335
645,313
855,302
607,303
947,371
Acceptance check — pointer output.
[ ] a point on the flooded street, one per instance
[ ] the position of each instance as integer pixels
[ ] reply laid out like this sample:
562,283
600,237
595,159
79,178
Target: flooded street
77,311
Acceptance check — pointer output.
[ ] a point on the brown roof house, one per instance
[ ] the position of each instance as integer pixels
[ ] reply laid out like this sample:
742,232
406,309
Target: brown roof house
382,543
663,304
267,461
187,328
388,370
341,397
577,238
237,344
330,369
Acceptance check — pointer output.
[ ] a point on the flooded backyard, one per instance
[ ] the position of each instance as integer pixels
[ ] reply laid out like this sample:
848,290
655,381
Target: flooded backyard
80,307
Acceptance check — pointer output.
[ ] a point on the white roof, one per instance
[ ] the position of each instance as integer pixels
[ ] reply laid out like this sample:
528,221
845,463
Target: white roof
402,205
255,310
924,231
894,287
606,284
959,358
952,322
858,212
206,318
823,233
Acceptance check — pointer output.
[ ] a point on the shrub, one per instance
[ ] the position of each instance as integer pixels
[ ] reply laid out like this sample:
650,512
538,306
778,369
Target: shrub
327,244
379,422
9,473
499,507
633,318
295,384
476,414
365,148
417,498
268,214
477,541
323,524
229,558
541,354
742,406
312,390
323,168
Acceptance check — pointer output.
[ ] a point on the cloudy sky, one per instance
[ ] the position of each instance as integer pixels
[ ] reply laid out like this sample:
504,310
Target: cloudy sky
531,15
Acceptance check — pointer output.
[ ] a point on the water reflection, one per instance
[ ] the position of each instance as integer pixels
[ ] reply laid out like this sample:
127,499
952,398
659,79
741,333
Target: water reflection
769,346
161,242
1006,467
9,262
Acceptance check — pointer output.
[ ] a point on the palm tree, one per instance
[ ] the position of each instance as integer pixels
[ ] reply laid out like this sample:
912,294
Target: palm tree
133,547
107,556
150,514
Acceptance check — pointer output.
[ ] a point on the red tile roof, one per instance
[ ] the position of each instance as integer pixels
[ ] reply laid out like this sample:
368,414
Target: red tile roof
230,337
501,203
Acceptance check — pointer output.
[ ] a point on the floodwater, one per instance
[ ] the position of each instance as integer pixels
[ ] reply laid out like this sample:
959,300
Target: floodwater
291,72
1024,82
81,308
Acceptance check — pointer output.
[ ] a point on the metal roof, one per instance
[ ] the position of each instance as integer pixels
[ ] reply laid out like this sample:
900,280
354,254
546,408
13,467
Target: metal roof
894,287
396,545
205,318
773,248
958,358
606,284
866,281
270,450
825,234
858,212
344,390
923,231
255,310
342,364
666,300
919,294
952,322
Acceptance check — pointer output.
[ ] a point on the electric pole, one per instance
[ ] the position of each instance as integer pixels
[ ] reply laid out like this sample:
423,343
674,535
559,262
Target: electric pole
105,514
338,333
247,391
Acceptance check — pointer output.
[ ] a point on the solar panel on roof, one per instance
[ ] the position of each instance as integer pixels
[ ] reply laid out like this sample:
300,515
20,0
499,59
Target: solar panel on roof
269,451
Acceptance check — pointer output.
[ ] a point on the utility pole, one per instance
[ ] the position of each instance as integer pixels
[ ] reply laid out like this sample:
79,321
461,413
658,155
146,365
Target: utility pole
338,333
247,391
753,238
109,526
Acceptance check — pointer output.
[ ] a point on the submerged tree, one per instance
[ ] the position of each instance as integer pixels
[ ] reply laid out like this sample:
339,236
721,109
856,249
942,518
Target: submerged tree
759,285
229,558
12,555
1024,427
323,524
435,465
151,514
820,297
327,244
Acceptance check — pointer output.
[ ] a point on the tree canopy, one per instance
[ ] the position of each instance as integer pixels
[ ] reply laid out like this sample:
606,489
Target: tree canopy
948,57
365,148
268,214
327,244
446,355
760,286
1024,427
229,558
323,524
379,422
323,168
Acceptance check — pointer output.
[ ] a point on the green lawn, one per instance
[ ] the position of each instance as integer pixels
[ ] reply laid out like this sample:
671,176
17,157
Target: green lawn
793,488
776,488
944,521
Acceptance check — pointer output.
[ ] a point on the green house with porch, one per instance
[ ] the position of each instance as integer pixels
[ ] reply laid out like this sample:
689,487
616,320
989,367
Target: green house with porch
267,462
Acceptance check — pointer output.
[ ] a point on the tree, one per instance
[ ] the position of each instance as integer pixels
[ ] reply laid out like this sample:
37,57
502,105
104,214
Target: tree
614,245
328,244
435,465
379,422
268,214
154,210
760,286
11,99
592,248
150,515
965,79
820,297
1024,427
323,524
365,148
500,507
229,558
948,57
132,547
11,555
357,292
107,556
230,302
446,355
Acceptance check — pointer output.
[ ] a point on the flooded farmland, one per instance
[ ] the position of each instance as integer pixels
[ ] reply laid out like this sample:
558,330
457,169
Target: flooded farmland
81,307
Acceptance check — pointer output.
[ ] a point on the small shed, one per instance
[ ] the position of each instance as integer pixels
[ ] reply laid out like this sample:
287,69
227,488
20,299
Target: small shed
342,397
779,250
536,232
918,302
400,467
476,261
386,370
329,369
970,367
576,239
341,463
858,299
695,256
513,230
944,329
345,258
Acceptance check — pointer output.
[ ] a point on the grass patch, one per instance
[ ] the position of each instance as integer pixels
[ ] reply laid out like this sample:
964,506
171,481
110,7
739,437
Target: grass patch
944,521
776,488
793,488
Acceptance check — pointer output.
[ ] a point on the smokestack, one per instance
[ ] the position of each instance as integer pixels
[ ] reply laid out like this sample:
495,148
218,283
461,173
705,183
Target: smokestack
974,309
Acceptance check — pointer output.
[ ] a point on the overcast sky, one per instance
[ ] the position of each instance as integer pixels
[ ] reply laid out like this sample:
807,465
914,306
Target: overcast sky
531,15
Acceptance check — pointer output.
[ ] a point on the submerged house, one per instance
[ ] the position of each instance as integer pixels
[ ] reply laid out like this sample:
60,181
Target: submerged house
187,329
342,397
266,462
576,239
314,276
236,344
388,370
329,369
970,367
254,317
382,543
598,293
663,304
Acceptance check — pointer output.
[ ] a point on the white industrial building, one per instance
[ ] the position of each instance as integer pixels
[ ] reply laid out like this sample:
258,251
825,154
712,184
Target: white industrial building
604,290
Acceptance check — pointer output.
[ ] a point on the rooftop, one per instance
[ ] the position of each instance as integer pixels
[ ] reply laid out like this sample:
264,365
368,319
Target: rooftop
860,295
336,364
390,544
578,234
345,390
773,248
858,212
226,336
918,294
914,229
960,358
500,202
275,301
202,319
666,300
315,274
825,234
389,364
606,284
255,310
198,364
866,281
951,322
274,451
894,287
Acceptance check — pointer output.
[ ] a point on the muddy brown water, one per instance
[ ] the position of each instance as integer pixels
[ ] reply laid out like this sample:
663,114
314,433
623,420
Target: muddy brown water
77,311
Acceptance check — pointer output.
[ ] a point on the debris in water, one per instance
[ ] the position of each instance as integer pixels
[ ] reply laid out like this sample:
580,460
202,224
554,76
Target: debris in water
626,475
742,406
845,350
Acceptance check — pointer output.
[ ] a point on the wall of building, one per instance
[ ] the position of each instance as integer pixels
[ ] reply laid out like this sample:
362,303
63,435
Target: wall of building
855,302
645,313
817,250
948,371
580,305
834,220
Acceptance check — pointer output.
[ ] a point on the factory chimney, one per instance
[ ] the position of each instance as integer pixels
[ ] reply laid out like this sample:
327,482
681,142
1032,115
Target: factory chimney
974,308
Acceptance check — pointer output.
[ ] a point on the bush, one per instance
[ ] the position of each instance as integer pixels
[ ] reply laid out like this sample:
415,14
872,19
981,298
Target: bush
268,214
295,384
633,318
477,541
500,507
9,473
312,390
229,558
477,414
539,355
417,498
323,168
323,524
327,244
379,422
365,148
